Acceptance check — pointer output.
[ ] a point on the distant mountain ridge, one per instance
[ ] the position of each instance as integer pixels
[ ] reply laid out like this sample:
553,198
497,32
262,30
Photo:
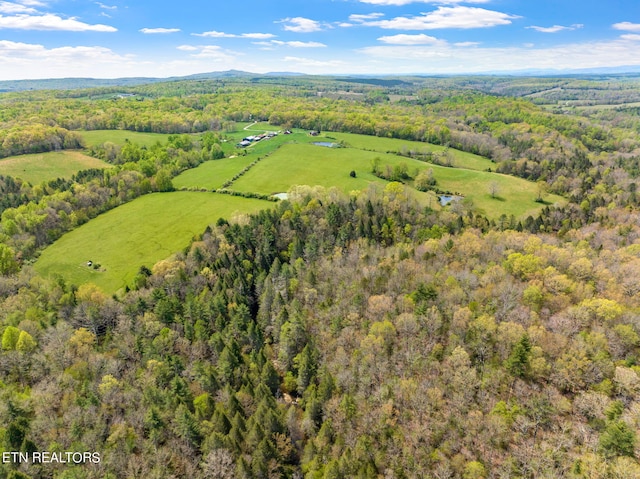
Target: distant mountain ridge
77,83
73,83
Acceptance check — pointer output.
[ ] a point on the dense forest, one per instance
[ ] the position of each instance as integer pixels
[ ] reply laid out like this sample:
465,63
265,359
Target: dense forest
333,335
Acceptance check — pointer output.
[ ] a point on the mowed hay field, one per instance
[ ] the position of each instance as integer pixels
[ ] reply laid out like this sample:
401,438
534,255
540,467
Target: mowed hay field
212,174
39,167
98,137
459,159
143,232
304,164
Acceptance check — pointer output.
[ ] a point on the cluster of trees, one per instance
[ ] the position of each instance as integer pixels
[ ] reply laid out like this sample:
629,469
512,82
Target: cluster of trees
37,138
337,337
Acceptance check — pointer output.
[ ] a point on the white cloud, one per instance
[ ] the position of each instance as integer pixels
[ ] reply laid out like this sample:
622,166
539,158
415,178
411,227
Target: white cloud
159,30
187,48
50,21
257,36
27,51
33,3
13,8
293,44
215,34
23,60
403,39
466,44
216,53
555,28
448,17
308,62
364,18
631,37
627,26
454,59
107,7
399,3
301,25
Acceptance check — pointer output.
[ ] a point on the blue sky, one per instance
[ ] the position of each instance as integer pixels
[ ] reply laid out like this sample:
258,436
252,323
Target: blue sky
119,38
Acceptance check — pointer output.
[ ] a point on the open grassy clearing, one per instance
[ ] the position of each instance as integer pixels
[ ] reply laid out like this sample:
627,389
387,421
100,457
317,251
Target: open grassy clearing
98,137
300,164
304,164
142,232
459,159
212,174
39,167
513,196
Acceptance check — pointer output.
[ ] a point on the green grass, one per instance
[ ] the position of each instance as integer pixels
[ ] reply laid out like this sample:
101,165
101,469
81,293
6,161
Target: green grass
212,174
142,232
305,164
460,159
39,167
98,137
302,164
514,196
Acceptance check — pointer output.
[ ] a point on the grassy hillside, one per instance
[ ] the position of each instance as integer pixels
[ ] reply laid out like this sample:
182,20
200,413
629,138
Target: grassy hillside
459,159
305,164
40,167
212,174
139,233
97,137
512,195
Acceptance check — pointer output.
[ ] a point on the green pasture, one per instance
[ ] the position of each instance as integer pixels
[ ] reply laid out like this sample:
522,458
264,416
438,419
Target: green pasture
39,167
513,196
143,232
459,159
212,174
98,137
305,164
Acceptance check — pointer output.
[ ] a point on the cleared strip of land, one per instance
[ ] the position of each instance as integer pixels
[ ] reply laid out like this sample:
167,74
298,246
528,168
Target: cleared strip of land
98,137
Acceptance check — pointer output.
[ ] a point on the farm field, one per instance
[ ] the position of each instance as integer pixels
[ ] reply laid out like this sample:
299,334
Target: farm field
305,164
514,196
459,159
142,232
97,137
39,167
212,174
312,165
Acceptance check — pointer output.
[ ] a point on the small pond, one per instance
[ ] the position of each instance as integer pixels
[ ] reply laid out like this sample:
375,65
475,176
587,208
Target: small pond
328,144
446,199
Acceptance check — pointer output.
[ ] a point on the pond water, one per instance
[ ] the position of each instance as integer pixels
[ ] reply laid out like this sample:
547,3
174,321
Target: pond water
328,144
282,196
446,199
